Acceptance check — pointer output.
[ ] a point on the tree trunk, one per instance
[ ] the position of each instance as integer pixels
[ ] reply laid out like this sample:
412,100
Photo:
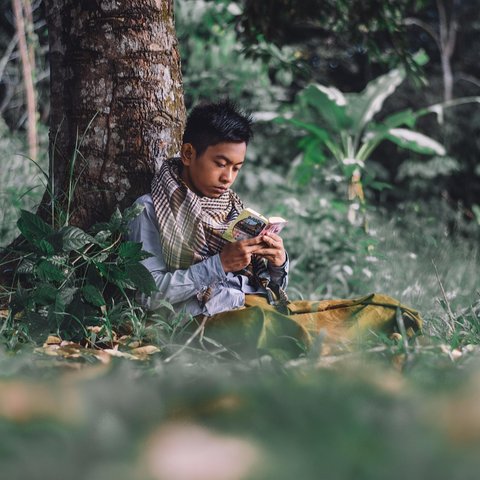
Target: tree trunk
116,104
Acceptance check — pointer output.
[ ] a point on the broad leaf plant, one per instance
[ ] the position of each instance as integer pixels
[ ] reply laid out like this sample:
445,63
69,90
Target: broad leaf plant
70,280
343,126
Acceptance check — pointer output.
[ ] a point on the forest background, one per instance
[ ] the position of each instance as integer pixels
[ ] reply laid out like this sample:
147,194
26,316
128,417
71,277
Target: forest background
405,221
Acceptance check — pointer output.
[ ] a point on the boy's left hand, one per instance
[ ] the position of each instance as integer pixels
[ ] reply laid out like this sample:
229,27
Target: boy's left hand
273,250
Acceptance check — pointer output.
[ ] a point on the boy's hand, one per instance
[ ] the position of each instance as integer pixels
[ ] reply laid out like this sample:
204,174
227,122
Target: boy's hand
237,255
272,249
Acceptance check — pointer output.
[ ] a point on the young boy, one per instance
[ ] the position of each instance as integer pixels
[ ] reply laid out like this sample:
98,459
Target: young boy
188,210
185,215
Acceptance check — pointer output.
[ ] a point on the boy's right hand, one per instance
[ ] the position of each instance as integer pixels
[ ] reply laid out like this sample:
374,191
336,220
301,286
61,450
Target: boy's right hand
238,255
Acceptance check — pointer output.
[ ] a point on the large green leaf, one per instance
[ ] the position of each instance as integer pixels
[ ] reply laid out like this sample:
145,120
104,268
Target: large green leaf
74,238
329,104
46,247
115,222
33,227
405,117
49,272
130,250
362,107
131,212
313,153
312,128
113,225
56,311
165,304
93,295
44,294
102,236
65,295
114,274
26,266
312,157
415,141
141,278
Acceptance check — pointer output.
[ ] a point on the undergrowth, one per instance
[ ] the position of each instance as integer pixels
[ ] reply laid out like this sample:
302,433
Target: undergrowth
386,408
68,281
79,285
425,255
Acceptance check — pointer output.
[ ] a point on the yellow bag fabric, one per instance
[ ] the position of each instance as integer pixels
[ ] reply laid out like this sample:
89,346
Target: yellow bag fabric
260,327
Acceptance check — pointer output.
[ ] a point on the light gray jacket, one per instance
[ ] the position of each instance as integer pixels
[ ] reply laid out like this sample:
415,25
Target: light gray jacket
184,288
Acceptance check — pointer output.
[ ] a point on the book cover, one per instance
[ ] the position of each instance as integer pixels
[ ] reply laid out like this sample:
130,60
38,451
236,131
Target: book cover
250,223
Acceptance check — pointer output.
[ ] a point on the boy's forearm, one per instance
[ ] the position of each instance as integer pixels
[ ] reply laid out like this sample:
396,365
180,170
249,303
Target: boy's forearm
182,285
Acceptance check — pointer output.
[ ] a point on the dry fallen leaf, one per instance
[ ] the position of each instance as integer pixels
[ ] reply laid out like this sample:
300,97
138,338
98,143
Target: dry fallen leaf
67,350
118,353
145,350
52,340
95,329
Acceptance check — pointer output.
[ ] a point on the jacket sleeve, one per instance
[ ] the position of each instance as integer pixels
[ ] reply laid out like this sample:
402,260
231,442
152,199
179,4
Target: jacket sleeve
279,275
181,285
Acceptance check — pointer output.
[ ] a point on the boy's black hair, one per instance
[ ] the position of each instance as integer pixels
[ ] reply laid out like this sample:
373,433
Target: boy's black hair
213,123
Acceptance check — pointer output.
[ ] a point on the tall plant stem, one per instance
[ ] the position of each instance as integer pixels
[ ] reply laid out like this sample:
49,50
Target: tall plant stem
28,68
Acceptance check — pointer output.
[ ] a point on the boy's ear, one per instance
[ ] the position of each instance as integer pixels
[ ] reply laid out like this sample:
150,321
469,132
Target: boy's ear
188,153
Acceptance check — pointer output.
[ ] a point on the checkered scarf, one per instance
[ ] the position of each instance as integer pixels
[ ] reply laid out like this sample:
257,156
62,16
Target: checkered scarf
191,227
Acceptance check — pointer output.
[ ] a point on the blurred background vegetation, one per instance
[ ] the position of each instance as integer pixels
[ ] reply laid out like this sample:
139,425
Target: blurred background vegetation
415,235
422,211
410,227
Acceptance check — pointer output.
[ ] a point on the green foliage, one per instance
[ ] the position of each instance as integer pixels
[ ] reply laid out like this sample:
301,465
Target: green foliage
213,61
69,279
328,253
341,126
375,25
330,258
427,177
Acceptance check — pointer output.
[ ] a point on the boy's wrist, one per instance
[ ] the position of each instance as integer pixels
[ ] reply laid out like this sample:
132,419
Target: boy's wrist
279,261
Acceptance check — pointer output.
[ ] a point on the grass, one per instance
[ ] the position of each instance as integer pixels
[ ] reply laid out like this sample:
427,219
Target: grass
425,255
267,421
385,409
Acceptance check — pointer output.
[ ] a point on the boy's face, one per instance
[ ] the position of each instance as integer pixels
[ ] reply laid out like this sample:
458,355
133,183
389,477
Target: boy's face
214,171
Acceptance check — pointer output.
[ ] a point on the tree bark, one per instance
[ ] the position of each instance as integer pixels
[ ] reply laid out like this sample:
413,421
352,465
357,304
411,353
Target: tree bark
117,105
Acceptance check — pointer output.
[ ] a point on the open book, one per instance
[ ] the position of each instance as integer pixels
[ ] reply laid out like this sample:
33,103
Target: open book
250,223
